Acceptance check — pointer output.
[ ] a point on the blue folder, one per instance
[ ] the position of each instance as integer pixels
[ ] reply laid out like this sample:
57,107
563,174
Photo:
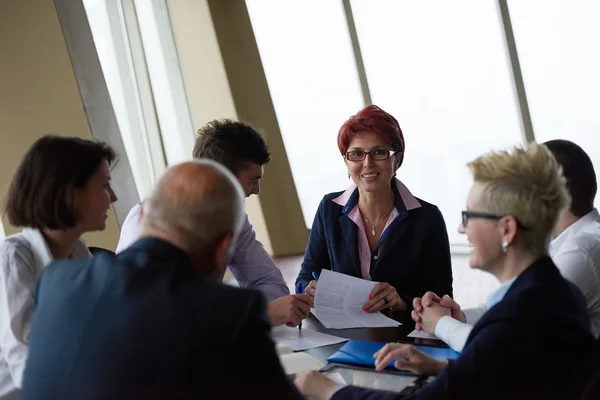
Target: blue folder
360,352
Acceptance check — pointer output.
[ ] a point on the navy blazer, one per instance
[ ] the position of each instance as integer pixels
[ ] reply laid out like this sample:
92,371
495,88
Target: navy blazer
413,253
145,325
527,346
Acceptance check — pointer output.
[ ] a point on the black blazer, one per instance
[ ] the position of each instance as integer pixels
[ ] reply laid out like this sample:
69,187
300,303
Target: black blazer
528,346
413,255
145,325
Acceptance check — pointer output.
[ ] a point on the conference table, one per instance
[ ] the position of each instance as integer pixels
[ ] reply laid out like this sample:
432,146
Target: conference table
385,335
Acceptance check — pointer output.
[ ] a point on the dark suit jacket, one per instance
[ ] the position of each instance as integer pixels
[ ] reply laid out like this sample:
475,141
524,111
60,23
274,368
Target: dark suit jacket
413,255
526,347
145,325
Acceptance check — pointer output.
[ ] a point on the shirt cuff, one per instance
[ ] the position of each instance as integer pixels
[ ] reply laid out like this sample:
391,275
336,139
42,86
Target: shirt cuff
453,332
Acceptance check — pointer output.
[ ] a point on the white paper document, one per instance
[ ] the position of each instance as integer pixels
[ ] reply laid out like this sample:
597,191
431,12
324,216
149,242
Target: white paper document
422,335
339,301
299,362
302,340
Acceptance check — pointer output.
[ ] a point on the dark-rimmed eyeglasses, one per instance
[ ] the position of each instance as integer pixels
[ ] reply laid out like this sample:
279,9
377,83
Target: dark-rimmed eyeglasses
376,155
466,215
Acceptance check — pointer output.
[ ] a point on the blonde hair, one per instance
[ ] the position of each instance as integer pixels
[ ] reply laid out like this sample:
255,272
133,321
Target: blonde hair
528,184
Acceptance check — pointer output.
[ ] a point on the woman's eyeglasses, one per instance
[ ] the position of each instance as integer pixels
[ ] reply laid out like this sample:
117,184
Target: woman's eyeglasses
376,155
466,215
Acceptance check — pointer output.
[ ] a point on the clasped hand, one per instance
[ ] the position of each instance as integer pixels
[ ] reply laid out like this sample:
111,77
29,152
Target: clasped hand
429,309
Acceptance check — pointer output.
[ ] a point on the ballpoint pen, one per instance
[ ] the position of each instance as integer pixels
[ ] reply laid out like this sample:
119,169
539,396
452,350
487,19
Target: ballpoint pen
314,274
299,290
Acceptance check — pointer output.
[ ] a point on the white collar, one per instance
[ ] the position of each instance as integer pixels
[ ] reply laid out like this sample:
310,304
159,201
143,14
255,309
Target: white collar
592,216
41,251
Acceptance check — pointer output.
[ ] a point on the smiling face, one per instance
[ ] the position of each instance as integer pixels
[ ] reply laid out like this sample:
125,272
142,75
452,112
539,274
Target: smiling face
484,235
94,200
370,175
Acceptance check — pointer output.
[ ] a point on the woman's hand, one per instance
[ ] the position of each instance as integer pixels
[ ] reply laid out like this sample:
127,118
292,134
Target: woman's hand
384,296
310,290
430,298
315,386
431,315
414,361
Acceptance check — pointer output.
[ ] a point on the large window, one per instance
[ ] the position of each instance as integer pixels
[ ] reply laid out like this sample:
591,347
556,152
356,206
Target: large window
307,56
135,46
559,52
442,70
108,25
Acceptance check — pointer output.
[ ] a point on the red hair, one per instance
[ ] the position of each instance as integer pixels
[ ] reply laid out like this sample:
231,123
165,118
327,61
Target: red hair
372,119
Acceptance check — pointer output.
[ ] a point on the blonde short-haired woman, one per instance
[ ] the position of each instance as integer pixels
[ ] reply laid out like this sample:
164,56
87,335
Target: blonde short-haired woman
536,329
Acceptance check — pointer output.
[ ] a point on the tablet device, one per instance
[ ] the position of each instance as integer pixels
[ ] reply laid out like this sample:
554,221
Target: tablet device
369,378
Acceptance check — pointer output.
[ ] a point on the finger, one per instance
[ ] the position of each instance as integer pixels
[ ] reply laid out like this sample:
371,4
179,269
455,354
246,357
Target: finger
293,321
380,296
377,288
417,304
415,316
404,365
418,327
380,305
299,315
385,349
447,301
429,298
393,350
302,298
383,362
394,302
303,309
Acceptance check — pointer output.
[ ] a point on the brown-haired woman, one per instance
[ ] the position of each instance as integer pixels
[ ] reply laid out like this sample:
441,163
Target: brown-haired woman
60,191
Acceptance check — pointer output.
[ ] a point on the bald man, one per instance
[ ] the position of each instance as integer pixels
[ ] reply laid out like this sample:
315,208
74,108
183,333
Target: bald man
151,322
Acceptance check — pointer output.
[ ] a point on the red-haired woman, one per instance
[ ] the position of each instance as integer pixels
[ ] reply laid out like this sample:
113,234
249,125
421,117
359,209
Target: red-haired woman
377,229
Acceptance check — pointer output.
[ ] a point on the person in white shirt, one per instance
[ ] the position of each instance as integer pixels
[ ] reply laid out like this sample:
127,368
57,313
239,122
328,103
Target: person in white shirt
61,190
242,150
575,249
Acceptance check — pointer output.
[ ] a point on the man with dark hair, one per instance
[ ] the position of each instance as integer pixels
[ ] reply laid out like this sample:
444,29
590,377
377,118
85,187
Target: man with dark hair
242,150
236,145
575,248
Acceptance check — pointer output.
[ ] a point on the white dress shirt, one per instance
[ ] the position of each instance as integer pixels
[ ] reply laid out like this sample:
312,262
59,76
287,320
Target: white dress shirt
251,265
22,259
576,253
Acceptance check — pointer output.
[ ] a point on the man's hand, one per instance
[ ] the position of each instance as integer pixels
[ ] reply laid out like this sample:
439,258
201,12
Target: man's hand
414,361
384,296
431,315
289,310
315,386
430,298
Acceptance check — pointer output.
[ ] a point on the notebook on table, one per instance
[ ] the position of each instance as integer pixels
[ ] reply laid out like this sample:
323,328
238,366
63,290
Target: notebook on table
360,352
